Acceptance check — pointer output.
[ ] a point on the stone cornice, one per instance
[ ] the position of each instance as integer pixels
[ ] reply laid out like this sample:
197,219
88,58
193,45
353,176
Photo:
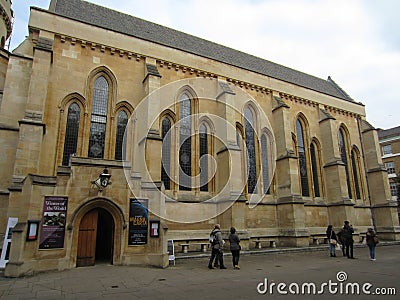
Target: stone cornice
336,162
33,123
43,180
337,111
105,163
8,127
380,168
99,47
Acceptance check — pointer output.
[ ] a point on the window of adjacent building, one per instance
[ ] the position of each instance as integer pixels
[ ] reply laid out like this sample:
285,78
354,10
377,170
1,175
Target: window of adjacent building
314,153
343,155
265,164
203,158
393,188
390,167
302,159
250,151
71,132
387,149
185,142
166,153
98,118
122,121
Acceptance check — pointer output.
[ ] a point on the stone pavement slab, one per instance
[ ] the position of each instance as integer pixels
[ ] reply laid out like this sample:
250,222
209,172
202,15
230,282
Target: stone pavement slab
191,279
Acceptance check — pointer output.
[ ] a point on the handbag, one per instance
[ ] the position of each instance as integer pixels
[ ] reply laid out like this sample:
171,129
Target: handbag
338,247
375,239
332,241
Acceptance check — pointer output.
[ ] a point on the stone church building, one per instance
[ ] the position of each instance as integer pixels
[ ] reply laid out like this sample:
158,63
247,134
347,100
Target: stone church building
118,134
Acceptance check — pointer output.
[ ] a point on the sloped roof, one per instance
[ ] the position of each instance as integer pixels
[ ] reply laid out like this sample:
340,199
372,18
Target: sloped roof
391,132
116,21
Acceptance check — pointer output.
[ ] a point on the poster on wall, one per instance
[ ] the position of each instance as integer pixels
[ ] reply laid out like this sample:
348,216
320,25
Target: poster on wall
53,222
138,222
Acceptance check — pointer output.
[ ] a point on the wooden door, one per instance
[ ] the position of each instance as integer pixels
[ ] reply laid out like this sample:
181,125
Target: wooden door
87,239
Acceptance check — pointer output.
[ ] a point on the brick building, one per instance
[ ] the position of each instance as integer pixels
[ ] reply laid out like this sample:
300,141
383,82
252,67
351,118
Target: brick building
389,141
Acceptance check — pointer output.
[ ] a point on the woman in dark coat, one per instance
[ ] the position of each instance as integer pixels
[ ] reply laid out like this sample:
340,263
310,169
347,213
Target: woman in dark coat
234,247
331,235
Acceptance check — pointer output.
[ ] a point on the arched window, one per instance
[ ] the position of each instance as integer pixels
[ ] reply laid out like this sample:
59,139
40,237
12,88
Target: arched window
239,137
203,158
251,152
71,132
343,155
301,152
355,163
315,169
185,142
265,164
98,118
122,121
166,153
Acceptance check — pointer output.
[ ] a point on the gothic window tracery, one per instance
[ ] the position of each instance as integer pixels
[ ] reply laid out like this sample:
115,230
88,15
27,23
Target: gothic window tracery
71,132
98,118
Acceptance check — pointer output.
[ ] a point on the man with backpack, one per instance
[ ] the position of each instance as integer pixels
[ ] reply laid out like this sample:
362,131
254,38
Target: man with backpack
217,244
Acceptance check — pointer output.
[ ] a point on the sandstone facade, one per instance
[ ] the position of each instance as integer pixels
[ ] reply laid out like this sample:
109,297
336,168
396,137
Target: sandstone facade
284,154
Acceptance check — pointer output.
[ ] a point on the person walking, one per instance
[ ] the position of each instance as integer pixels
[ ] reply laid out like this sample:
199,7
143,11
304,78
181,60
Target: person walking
235,248
371,240
332,239
348,239
217,244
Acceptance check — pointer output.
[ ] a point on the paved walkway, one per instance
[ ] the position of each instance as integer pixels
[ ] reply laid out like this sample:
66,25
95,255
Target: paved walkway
190,278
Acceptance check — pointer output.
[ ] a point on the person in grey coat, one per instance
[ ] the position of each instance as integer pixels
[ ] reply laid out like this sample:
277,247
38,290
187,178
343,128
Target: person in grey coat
216,247
235,248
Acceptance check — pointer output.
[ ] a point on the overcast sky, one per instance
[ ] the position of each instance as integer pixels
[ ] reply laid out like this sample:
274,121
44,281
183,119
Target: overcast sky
356,42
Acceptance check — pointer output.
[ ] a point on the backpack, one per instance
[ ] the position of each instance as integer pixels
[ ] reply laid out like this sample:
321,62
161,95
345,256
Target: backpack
213,238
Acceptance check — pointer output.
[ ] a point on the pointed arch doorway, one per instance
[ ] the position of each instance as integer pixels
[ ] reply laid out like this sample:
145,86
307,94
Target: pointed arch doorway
96,238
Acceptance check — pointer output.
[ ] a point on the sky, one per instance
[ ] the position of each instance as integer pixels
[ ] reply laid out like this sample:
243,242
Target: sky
356,42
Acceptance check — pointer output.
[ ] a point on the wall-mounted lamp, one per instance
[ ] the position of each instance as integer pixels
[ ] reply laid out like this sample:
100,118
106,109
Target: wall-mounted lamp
103,180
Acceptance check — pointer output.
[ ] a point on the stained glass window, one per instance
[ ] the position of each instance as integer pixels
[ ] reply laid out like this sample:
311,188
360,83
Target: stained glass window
265,164
166,153
302,159
203,158
185,150
122,121
354,162
71,132
99,118
251,152
343,155
315,169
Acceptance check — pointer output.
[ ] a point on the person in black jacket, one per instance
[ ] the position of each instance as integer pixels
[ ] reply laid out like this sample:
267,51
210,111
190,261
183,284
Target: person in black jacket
332,239
235,248
348,239
339,235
